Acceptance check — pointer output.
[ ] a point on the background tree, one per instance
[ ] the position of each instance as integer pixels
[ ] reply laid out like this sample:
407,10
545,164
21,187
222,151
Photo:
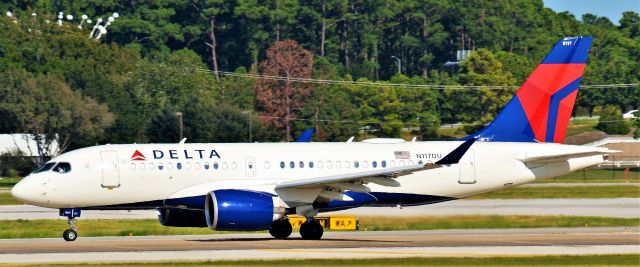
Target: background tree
281,100
46,107
611,121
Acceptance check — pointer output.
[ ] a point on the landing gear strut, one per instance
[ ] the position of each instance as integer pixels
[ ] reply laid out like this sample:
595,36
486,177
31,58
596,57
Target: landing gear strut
71,214
311,230
280,229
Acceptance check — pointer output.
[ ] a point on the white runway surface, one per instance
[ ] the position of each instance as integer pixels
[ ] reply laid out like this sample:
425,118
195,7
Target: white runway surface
616,207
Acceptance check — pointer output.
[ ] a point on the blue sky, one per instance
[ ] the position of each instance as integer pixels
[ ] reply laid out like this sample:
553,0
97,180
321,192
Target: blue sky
611,9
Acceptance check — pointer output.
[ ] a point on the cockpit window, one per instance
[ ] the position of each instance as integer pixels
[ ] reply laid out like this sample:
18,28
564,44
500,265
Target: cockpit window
45,167
62,167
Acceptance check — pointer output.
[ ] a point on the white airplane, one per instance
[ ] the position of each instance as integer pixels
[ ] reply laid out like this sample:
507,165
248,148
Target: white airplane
255,186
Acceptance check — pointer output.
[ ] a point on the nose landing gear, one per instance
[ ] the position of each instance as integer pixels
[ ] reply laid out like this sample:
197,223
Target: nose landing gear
71,214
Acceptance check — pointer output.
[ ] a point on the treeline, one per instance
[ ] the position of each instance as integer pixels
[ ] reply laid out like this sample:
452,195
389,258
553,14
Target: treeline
129,86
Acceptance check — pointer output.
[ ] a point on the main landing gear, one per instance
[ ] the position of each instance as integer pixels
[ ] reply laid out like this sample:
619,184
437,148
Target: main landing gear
309,230
281,229
71,214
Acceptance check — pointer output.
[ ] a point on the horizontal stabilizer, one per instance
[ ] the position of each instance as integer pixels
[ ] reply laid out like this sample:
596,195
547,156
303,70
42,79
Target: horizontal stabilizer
558,157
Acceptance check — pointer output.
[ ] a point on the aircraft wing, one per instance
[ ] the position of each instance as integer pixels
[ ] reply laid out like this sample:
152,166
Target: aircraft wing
331,187
558,157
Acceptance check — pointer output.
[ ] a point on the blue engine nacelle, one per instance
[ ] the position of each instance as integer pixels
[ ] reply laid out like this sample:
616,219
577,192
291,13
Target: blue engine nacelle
231,209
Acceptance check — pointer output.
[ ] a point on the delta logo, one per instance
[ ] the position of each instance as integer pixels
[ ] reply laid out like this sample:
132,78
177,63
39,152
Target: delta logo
138,156
178,154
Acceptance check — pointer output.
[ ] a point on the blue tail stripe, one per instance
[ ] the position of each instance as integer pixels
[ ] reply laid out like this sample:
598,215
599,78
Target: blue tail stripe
511,125
569,50
554,107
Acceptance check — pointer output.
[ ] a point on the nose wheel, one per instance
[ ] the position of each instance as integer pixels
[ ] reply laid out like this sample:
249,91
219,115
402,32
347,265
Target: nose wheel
71,214
69,235
311,230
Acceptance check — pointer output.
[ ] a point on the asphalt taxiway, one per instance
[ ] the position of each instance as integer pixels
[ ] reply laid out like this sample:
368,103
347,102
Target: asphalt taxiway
435,243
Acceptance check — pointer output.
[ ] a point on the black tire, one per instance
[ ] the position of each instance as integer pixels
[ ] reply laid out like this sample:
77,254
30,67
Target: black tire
280,229
69,235
311,230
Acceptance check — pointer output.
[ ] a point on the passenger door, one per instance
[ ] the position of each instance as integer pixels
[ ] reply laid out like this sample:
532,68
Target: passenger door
467,165
110,169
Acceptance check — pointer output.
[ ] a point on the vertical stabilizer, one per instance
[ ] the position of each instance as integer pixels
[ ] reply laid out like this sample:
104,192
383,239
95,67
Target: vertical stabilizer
540,110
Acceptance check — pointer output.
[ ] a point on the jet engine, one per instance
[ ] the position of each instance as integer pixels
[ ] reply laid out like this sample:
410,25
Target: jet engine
230,209
181,217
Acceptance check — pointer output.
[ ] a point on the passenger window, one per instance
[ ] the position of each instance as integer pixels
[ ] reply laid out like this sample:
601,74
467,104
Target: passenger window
401,163
281,164
188,165
311,164
206,165
420,162
329,164
225,165
160,167
292,164
410,163
267,165
170,166
215,165
62,167
152,166
133,166
338,164
179,166
393,163
141,167
365,164
356,164
347,164
374,164
197,165
234,165
383,163
301,164
320,164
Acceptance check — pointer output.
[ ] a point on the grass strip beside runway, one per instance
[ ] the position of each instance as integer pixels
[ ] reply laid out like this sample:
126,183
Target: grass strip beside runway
613,191
7,199
53,228
590,260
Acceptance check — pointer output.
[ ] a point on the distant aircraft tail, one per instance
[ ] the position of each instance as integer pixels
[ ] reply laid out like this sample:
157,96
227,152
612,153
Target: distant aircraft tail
541,108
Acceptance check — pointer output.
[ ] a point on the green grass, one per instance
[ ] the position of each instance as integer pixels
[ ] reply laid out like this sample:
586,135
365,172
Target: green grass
561,260
8,182
7,199
596,176
581,126
613,191
575,127
488,222
453,132
53,228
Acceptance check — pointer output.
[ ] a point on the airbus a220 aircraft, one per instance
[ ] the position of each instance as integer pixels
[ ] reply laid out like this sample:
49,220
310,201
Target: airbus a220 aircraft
255,186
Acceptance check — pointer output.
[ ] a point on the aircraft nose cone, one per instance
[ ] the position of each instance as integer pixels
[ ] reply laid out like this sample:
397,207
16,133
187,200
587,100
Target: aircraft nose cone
21,191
